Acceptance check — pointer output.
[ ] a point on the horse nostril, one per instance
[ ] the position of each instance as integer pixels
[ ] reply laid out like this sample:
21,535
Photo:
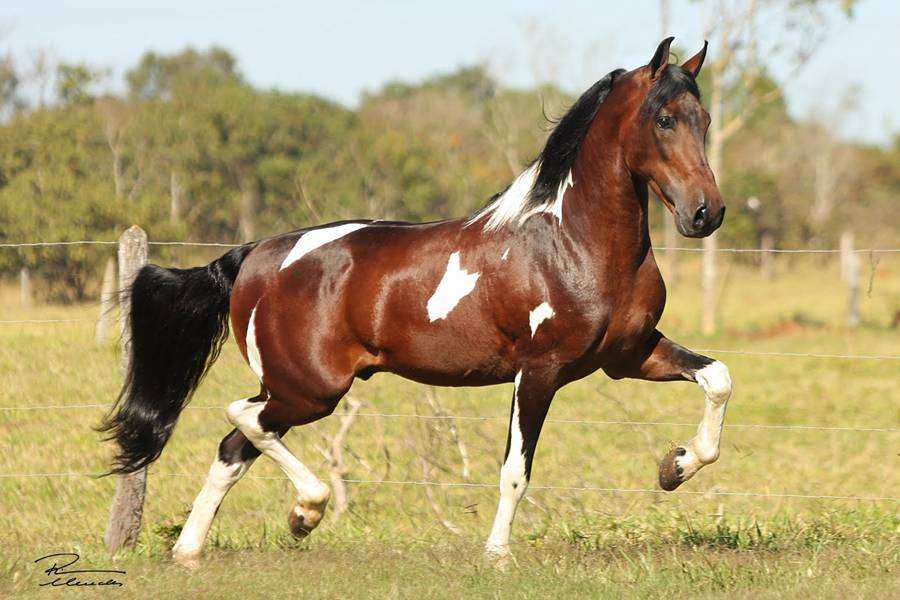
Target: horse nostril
701,215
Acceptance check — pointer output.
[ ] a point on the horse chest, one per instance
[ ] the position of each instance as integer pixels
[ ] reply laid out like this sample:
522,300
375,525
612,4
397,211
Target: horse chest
621,312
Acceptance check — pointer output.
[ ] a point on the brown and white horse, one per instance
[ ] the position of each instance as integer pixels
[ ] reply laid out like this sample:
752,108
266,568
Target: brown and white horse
550,282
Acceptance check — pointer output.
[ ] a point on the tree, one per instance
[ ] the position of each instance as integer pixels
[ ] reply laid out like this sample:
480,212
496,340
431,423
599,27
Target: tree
736,64
74,83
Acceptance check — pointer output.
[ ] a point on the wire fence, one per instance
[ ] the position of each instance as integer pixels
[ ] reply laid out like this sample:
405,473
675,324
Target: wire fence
504,418
582,422
481,485
664,248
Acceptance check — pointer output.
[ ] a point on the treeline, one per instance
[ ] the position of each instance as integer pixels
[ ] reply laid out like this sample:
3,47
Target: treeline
192,151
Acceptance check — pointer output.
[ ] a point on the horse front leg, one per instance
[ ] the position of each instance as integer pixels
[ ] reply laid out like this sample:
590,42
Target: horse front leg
667,361
531,400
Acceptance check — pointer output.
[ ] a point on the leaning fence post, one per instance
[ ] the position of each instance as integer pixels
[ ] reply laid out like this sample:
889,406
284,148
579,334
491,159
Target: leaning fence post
128,504
850,274
107,300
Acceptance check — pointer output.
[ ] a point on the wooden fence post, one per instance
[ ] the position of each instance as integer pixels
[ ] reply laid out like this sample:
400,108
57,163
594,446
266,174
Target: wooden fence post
850,274
128,504
25,294
107,301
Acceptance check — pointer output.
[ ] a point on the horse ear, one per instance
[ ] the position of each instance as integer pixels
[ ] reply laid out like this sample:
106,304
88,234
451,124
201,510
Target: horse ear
693,64
661,58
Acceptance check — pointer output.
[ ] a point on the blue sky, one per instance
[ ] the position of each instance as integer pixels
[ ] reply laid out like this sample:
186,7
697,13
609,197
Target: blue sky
340,48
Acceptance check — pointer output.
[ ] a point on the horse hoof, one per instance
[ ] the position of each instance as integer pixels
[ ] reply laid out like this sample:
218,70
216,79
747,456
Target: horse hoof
671,474
304,517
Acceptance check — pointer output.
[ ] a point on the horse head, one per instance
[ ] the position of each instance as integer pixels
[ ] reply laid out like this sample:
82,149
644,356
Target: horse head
664,141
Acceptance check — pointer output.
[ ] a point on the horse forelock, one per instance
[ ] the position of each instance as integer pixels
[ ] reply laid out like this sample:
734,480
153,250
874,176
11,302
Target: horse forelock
673,82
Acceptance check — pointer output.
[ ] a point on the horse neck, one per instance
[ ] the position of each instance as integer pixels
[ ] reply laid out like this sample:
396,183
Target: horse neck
606,209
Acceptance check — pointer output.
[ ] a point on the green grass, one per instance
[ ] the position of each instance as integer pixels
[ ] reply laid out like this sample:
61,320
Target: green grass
566,543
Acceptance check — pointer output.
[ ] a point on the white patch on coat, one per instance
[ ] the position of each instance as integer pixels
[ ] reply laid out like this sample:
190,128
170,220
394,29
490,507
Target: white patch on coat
512,484
541,313
505,254
311,240
453,287
510,206
253,356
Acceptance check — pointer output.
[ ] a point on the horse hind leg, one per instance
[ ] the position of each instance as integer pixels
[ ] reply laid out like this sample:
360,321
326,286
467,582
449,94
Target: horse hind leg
260,420
235,456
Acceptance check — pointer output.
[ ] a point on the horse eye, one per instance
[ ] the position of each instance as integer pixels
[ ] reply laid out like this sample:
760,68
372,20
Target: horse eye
665,122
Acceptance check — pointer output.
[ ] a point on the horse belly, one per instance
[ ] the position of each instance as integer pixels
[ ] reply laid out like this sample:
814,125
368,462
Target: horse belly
449,357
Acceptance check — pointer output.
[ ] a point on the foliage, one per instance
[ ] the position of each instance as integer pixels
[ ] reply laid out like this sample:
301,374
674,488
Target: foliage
193,151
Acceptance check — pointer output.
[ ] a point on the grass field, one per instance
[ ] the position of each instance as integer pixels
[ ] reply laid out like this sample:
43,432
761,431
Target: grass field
391,543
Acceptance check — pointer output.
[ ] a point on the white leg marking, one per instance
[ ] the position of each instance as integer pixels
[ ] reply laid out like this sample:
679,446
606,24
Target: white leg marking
253,356
312,493
220,479
541,313
512,484
311,240
505,254
703,449
245,416
453,287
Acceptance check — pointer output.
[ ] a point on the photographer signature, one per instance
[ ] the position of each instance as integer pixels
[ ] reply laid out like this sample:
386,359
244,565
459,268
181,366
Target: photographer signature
59,575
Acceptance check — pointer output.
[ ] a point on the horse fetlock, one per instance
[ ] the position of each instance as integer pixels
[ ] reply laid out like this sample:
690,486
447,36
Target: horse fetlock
708,456
320,494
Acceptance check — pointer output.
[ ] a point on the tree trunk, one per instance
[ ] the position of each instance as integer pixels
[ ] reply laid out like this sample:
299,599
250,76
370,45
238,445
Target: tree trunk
247,212
25,294
823,183
176,193
671,234
710,299
766,257
118,172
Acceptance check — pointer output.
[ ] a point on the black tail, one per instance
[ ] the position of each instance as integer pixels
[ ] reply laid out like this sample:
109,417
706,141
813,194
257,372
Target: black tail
177,325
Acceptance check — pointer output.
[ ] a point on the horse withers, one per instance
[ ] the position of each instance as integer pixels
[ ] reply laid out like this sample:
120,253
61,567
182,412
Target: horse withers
554,279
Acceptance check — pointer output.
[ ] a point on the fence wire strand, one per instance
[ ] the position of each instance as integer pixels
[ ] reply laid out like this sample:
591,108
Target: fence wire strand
486,418
504,418
480,485
44,321
663,248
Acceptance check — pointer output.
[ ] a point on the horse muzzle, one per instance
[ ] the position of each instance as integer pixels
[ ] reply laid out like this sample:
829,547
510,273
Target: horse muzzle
702,222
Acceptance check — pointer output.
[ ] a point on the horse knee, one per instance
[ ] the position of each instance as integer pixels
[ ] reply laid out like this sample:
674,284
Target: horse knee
715,380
